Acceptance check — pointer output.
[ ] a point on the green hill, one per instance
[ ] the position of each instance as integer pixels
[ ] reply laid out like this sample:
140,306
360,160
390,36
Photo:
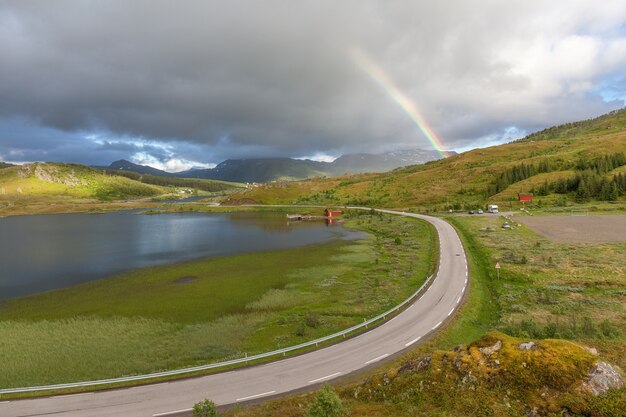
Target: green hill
552,163
195,183
73,180
70,180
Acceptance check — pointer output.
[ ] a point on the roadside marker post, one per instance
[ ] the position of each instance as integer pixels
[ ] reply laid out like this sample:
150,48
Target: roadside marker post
498,269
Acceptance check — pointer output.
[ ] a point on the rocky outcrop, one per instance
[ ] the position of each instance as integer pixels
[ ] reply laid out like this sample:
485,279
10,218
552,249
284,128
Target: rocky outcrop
527,346
52,174
415,365
507,376
490,350
602,377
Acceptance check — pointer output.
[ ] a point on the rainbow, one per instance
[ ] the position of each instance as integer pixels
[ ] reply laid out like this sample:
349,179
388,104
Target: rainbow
374,71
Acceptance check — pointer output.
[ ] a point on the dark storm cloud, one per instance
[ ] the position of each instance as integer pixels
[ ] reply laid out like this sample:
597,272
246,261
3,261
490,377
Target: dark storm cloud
219,79
33,143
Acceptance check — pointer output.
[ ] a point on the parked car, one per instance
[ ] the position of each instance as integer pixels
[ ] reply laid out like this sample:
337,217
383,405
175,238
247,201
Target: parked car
506,225
480,211
470,212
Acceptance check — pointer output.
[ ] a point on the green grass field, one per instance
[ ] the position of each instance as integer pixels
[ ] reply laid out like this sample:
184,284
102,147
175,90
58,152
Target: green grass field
534,300
147,320
549,289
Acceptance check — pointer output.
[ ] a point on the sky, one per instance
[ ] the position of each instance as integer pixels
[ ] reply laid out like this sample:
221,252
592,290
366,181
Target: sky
181,84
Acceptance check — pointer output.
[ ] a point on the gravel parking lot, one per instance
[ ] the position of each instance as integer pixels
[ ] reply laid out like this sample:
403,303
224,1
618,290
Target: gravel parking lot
579,229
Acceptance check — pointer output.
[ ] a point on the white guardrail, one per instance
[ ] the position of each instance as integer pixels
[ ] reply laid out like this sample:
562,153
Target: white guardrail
283,351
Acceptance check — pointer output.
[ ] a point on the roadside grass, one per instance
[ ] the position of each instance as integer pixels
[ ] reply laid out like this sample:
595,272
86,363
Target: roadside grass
149,319
549,289
462,382
482,308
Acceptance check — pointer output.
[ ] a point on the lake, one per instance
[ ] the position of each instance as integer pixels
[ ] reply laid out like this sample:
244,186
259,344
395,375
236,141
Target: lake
45,252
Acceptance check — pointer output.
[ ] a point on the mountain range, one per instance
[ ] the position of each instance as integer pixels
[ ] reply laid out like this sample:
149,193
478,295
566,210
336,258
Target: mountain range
269,169
581,161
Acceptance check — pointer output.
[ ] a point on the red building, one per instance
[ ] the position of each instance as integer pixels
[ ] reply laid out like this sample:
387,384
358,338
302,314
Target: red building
329,213
525,198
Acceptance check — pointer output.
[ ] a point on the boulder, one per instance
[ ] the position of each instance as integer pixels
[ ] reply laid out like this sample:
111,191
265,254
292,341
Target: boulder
602,377
490,350
527,346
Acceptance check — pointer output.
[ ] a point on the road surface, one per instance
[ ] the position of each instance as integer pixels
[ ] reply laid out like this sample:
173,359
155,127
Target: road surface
425,315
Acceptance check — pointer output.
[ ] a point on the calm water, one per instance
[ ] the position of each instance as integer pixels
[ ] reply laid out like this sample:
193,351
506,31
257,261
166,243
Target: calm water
39,253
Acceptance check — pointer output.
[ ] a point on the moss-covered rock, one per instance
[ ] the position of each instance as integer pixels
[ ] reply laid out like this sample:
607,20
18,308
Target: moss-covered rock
499,375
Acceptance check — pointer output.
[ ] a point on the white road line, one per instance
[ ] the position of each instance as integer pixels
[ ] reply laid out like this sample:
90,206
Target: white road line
4,402
451,311
458,299
377,359
465,281
324,377
436,325
263,394
73,395
410,307
172,412
412,341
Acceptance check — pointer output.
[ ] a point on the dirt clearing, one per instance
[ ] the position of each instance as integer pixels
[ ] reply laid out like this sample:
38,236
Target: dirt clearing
579,229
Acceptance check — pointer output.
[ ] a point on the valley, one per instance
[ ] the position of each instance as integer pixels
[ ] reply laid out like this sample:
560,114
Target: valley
548,286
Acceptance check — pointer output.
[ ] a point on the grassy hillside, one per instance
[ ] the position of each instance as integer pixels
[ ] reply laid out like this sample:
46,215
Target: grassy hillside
53,179
58,188
197,184
475,177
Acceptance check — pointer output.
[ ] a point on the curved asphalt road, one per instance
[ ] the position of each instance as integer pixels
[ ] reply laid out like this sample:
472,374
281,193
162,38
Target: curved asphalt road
169,399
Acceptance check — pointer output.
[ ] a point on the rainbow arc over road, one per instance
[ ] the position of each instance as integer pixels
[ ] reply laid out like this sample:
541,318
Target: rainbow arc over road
374,71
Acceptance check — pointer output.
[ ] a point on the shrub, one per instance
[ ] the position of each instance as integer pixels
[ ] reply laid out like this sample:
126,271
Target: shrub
326,403
312,320
206,408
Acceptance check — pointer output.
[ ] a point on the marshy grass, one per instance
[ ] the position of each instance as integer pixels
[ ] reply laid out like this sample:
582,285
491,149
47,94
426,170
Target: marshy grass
149,319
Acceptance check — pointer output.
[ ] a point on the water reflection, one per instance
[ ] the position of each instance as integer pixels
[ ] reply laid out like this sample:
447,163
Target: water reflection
39,253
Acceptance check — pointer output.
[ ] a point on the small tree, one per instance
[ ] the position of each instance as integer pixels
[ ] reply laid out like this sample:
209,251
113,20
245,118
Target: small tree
206,408
326,403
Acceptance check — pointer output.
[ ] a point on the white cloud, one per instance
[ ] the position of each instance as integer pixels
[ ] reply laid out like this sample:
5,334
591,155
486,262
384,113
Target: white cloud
320,157
169,165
